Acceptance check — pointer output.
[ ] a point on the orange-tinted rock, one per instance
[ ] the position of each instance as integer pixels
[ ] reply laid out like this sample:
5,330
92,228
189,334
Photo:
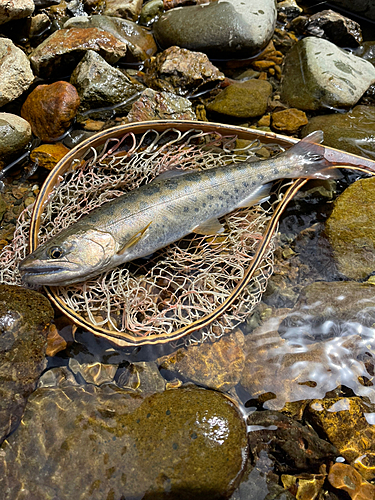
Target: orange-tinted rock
47,155
289,120
50,109
62,51
55,342
344,477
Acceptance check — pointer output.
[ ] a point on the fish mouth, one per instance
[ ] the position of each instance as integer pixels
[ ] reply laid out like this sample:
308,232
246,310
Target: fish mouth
45,273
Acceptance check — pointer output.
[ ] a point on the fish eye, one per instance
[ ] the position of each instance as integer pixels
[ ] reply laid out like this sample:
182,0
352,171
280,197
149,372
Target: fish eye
55,252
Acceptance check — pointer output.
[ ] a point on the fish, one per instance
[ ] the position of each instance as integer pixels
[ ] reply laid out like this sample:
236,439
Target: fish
173,205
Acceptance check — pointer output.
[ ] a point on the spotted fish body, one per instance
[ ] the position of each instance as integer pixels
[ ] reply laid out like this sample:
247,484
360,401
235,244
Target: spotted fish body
151,217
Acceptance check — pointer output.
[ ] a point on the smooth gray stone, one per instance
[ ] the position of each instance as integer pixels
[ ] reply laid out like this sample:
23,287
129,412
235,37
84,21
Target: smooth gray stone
15,134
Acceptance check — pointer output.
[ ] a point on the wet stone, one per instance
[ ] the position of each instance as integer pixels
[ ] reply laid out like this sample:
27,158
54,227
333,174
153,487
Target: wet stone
38,25
15,133
24,318
61,51
93,373
55,342
127,9
47,155
91,442
317,74
151,11
242,100
244,31
142,377
140,42
160,106
182,72
351,231
343,477
15,71
290,445
304,486
216,366
353,131
100,85
367,51
289,120
10,10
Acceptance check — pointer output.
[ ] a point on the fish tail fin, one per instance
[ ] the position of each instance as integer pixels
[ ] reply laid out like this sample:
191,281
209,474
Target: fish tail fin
308,155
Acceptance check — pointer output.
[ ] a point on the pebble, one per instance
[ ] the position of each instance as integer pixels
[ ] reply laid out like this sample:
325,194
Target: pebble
151,11
39,24
48,155
100,85
50,109
344,477
216,366
10,10
244,30
242,100
142,377
154,105
24,319
289,120
126,9
15,133
61,51
351,231
319,75
15,71
140,42
104,442
353,131
181,71
55,342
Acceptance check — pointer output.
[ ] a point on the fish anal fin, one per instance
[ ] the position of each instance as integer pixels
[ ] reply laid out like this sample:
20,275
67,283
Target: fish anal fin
134,239
211,226
260,194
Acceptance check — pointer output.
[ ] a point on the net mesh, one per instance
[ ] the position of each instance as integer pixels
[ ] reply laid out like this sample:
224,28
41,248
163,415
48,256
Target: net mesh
178,284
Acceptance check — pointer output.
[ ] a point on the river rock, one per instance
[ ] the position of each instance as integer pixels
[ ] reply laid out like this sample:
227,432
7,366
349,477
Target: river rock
344,477
47,155
140,42
127,9
242,100
365,8
50,109
143,377
244,29
15,133
91,442
154,105
334,27
100,85
62,50
289,120
353,131
15,71
317,75
10,10
216,366
351,231
181,71
24,318
150,12
367,51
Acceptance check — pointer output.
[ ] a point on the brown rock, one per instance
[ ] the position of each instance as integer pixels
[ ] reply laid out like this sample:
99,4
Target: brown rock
61,52
181,71
217,366
127,9
47,155
50,109
289,120
344,477
55,342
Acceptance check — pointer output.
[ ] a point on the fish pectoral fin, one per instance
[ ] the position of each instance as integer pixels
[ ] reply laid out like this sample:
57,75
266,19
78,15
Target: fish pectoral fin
260,194
134,239
211,226
170,174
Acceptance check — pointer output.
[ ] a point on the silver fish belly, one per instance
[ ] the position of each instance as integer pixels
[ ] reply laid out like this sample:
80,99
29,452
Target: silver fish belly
161,212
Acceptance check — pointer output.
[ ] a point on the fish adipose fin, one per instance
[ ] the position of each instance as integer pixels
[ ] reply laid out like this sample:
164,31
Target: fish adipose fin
261,194
212,226
308,156
134,239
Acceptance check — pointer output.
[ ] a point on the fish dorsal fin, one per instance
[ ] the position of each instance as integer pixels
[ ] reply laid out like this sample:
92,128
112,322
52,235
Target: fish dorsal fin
260,194
211,226
134,239
170,174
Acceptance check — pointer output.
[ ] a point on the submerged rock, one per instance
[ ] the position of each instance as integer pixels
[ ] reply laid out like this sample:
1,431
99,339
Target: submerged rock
182,72
160,106
351,230
288,120
24,317
319,75
90,442
353,131
15,133
15,71
244,29
343,477
62,50
50,109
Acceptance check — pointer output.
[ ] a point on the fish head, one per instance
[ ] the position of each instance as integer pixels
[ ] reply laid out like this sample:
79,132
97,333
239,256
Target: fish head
68,258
